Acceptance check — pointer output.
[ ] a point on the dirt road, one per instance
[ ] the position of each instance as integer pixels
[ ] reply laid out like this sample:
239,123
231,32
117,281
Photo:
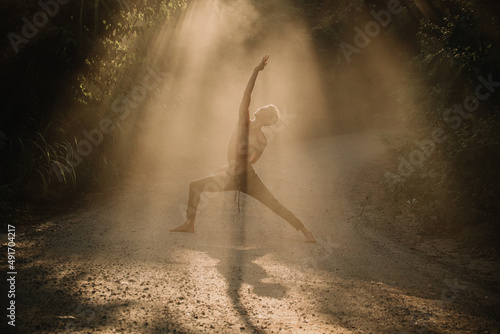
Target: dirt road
112,266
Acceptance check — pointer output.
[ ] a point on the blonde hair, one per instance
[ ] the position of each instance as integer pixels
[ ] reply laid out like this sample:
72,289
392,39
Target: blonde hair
270,113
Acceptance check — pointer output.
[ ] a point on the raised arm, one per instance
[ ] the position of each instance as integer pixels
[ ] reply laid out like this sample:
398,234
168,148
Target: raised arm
245,102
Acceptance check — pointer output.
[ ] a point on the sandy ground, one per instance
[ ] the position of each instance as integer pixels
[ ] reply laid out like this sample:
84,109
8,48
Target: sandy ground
112,266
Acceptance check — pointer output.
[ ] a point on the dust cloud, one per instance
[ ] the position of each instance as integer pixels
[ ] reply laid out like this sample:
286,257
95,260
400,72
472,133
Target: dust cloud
206,59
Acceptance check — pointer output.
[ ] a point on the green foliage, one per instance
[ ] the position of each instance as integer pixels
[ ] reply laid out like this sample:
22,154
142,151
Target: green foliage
35,171
458,183
122,48
112,71
105,42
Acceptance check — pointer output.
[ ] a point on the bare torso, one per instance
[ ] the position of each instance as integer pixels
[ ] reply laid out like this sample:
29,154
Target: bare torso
247,150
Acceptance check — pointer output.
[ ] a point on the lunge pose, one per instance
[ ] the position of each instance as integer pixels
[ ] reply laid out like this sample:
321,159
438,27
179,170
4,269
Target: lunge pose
246,145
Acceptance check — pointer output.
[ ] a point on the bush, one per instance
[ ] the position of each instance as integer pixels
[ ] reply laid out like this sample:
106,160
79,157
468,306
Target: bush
458,183
47,105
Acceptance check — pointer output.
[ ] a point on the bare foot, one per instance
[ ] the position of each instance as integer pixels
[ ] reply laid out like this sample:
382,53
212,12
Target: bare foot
309,236
188,226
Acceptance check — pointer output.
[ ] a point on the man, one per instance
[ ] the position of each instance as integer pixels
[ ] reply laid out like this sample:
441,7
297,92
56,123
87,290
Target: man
246,145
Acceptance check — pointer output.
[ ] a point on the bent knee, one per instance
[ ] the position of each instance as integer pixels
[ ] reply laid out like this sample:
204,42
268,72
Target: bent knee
196,186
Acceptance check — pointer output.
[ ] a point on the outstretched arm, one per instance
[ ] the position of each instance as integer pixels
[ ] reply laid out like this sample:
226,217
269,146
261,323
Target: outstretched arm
245,102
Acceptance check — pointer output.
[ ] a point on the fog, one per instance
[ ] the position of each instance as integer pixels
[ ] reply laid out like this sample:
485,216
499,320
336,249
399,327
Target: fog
203,63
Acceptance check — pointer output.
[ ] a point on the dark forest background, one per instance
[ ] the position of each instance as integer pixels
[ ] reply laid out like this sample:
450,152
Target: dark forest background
54,86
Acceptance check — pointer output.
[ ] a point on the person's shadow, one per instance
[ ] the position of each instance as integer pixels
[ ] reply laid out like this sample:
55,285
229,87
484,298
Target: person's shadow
237,265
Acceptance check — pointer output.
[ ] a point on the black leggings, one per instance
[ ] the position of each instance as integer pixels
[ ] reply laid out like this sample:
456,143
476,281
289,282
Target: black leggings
249,183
